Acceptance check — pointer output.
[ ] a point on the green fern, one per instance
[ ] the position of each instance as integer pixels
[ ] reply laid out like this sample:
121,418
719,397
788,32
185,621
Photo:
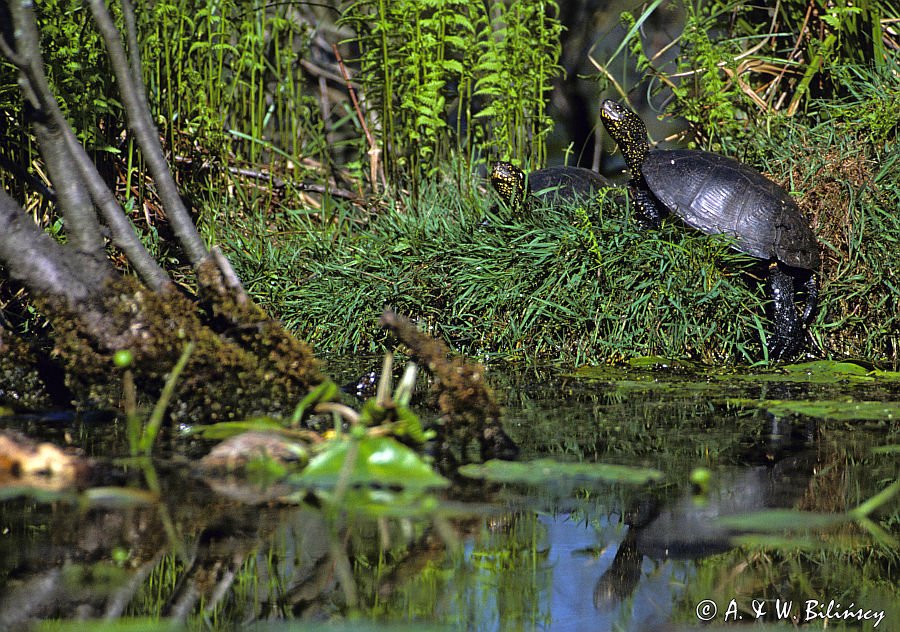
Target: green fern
456,77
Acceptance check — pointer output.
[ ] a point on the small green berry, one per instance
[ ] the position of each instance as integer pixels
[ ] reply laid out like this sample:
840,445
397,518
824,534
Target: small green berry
700,479
358,431
123,358
120,555
430,503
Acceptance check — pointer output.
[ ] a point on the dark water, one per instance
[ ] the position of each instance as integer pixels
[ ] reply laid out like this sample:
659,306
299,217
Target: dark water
560,554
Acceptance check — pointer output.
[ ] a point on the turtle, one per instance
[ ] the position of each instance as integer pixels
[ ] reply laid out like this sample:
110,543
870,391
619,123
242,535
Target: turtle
544,186
719,195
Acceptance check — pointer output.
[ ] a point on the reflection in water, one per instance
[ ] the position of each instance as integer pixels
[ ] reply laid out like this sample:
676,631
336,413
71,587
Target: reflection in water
687,529
562,555
629,591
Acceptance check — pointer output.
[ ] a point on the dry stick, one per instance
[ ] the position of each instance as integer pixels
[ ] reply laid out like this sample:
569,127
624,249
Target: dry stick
374,151
141,123
278,183
793,52
123,233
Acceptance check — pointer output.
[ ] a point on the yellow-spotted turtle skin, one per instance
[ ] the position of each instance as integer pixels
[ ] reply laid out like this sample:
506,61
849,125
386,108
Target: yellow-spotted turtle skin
551,185
719,195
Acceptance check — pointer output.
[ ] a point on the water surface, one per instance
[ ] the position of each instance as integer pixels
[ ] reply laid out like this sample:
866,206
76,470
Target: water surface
563,552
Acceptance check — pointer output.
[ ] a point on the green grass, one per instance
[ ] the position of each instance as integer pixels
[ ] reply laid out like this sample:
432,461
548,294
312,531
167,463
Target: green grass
560,284
585,285
565,284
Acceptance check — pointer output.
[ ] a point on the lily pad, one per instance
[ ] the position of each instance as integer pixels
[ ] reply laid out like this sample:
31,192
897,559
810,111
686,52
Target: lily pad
378,461
227,429
779,520
833,409
548,470
822,372
119,497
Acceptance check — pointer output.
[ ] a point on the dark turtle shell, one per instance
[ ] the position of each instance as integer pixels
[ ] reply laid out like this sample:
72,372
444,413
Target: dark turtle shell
565,183
716,194
550,185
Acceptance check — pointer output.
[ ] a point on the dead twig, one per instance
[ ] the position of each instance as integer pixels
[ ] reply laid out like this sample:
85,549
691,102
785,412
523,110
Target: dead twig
375,169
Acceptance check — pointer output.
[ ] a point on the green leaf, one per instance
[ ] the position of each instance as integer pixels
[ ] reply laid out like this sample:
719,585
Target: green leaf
119,497
322,393
226,429
548,470
379,461
778,520
408,424
837,410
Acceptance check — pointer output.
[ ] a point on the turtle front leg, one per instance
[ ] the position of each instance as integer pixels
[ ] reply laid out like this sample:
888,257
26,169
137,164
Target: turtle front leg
812,298
650,211
787,338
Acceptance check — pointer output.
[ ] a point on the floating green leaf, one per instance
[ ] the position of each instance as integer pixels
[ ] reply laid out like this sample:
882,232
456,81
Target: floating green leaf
824,372
834,409
547,470
119,497
779,520
832,367
226,429
658,362
41,495
379,461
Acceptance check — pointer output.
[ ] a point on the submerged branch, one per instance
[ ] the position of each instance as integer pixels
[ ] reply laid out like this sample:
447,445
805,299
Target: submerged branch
468,405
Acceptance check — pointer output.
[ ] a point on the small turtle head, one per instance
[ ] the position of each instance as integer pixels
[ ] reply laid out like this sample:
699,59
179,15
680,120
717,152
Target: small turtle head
509,182
628,130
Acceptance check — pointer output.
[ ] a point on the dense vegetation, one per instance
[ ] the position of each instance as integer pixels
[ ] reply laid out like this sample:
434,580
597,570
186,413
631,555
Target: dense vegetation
340,180
336,153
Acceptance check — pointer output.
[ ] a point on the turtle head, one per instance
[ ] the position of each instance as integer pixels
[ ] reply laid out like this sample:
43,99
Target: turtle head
509,182
629,132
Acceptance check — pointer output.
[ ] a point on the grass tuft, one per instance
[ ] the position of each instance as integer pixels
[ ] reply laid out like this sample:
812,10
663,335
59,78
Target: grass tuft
572,284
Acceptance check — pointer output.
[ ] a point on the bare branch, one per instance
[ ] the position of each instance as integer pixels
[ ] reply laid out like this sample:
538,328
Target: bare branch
230,277
32,257
134,52
122,231
141,122
38,93
82,227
